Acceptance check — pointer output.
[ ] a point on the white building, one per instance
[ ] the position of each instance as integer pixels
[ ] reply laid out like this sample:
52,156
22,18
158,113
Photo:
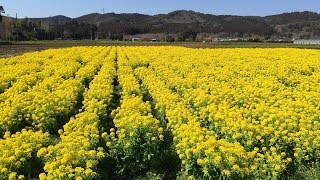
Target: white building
306,41
135,39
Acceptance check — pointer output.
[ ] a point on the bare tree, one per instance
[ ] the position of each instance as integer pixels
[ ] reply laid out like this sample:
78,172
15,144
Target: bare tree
1,11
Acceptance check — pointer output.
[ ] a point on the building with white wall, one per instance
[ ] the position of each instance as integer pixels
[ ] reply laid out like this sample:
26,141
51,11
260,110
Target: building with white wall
306,41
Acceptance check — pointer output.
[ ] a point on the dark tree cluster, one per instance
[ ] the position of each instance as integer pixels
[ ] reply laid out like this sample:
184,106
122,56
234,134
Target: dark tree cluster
29,29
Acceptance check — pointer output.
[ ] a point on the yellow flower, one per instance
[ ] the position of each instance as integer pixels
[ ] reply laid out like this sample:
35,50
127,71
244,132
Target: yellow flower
201,162
277,167
226,172
13,176
161,137
235,167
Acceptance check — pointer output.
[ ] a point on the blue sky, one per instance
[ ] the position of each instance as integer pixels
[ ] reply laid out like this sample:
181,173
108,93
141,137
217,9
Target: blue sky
75,8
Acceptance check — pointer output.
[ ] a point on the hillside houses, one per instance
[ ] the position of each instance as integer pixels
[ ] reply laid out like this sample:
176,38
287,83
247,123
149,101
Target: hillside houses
306,41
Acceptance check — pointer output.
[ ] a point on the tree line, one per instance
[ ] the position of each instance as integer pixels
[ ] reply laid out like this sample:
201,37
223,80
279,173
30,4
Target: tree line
26,29
174,26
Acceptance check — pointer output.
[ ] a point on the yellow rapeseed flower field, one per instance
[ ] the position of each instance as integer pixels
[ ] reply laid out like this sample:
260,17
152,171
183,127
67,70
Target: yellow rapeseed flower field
123,112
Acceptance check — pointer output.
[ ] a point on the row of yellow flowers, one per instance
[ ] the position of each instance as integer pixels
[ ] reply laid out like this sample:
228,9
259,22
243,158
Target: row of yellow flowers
51,95
263,101
15,68
194,145
233,113
135,140
269,101
78,154
17,150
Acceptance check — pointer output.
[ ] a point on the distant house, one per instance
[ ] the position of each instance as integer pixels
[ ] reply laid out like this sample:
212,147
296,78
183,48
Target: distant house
40,33
306,41
145,37
135,39
228,39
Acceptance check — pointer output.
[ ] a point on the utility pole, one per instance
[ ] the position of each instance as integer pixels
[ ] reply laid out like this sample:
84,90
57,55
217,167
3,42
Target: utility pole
2,11
17,31
61,31
91,29
49,31
10,27
49,38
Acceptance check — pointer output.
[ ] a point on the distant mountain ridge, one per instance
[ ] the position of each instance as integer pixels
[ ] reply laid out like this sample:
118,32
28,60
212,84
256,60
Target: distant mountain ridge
289,25
53,19
181,25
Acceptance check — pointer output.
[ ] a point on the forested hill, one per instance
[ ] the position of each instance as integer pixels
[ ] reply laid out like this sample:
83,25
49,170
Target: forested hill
286,25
